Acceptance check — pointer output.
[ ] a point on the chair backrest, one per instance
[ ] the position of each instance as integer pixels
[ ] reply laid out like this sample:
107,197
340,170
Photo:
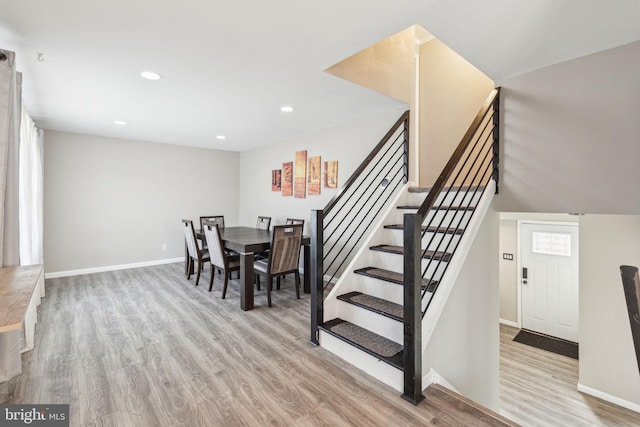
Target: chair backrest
218,219
190,238
284,255
264,222
214,243
294,221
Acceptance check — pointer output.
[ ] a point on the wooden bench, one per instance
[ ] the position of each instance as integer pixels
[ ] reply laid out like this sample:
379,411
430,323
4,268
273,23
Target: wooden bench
20,291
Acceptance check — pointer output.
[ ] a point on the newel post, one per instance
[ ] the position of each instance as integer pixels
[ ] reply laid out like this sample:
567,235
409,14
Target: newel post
316,278
412,308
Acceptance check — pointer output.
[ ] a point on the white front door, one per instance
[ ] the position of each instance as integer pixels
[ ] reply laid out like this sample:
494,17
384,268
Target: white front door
549,279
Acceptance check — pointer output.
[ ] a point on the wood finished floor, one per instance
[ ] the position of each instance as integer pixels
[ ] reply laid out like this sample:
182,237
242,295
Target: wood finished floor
538,388
144,347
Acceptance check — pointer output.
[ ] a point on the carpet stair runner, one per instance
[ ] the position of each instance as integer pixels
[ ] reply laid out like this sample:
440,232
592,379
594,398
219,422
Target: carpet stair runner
367,341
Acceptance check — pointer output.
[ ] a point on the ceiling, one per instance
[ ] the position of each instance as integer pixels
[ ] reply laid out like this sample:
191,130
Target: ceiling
229,66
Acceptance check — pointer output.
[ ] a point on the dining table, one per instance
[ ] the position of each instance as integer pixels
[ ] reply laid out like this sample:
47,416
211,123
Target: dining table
248,241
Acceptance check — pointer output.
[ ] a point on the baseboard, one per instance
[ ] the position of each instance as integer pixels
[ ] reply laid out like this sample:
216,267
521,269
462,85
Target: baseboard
609,398
509,323
432,377
111,268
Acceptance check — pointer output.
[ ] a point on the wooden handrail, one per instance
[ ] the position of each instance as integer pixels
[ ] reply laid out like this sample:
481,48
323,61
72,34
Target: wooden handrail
457,155
365,163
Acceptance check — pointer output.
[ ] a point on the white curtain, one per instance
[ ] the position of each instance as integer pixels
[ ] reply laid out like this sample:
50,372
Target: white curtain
30,192
10,95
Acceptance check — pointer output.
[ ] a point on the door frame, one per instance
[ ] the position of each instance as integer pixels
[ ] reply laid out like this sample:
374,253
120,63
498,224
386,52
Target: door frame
520,223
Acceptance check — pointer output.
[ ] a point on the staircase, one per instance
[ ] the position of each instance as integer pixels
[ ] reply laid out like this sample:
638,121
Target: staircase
386,255
365,309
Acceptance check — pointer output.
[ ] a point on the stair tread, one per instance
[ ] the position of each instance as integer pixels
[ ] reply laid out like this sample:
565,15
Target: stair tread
377,305
442,208
394,249
393,277
431,229
376,345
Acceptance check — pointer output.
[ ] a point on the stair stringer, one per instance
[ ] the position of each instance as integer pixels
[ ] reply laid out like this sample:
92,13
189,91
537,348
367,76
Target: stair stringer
447,283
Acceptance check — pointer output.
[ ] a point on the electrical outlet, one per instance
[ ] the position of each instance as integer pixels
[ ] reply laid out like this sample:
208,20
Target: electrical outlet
165,247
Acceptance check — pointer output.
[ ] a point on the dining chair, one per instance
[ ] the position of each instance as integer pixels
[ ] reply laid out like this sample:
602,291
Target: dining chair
284,257
194,251
291,221
263,223
218,219
219,258
294,221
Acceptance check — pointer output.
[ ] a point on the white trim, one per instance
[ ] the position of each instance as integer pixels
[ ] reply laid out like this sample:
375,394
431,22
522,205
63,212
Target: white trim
609,398
510,323
432,377
68,273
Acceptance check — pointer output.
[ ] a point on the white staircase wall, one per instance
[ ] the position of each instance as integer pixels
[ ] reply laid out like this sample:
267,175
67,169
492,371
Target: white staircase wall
460,330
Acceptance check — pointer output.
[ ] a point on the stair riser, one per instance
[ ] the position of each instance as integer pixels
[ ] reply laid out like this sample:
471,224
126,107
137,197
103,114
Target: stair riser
380,370
382,289
381,325
471,198
435,241
394,262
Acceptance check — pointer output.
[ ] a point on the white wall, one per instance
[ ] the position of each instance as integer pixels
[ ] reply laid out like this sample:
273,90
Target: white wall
113,201
464,348
349,144
508,271
569,138
607,356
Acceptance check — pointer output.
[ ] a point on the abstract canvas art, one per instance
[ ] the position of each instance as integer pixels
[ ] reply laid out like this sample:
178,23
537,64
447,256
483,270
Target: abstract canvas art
313,181
287,179
331,174
300,175
276,180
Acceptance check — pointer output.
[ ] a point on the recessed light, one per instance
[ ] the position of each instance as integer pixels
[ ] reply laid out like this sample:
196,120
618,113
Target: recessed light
150,75
221,137
286,109
120,123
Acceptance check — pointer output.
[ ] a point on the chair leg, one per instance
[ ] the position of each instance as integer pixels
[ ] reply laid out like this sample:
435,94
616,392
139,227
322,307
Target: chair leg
199,271
297,273
278,283
226,281
257,277
269,286
189,268
213,272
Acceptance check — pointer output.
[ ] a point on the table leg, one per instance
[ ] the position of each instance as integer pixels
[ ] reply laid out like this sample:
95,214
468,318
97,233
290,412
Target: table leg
246,281
306,260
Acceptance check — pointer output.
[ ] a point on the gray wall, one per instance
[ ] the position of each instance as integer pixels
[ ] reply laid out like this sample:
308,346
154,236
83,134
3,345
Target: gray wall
112,201
570,136
349,144
607,357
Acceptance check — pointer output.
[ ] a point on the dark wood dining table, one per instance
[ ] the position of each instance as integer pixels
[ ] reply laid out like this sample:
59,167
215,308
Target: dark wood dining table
247,241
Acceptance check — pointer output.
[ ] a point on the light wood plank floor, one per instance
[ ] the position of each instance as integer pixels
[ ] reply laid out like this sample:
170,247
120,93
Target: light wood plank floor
538,388
144,347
